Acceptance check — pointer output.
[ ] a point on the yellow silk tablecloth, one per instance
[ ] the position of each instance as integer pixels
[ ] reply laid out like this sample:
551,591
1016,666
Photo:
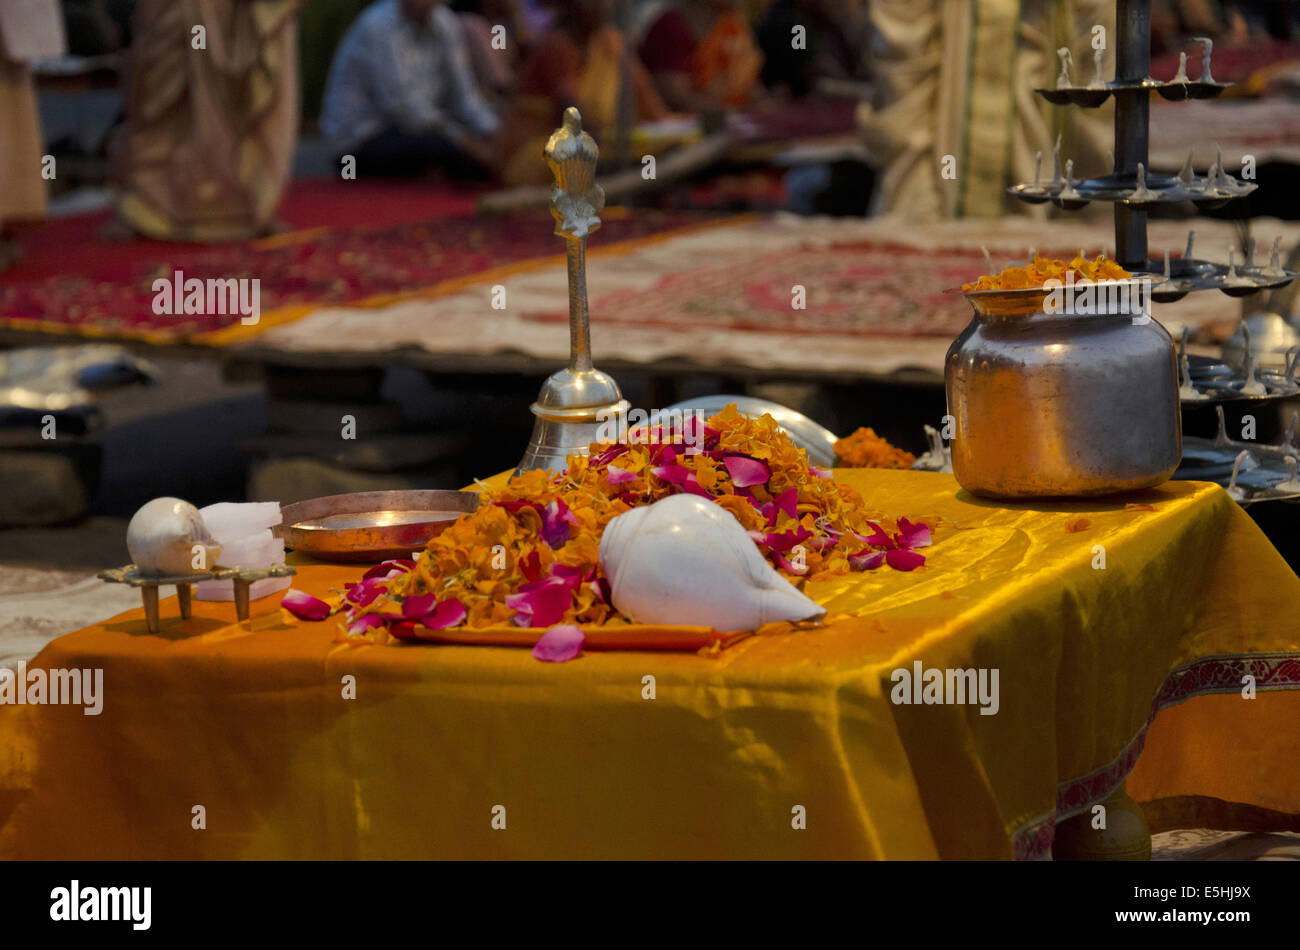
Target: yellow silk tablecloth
251,723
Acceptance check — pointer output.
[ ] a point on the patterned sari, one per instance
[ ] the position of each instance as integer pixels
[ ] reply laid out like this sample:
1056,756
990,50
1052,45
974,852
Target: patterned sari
210,132
957,77
29,29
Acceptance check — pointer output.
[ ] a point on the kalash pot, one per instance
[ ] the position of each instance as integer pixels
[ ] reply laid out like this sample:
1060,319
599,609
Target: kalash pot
1063,394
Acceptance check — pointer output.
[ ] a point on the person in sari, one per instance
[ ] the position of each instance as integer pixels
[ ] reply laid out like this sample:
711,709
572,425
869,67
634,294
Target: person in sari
703,56
210,132
955,79
581,60
28,31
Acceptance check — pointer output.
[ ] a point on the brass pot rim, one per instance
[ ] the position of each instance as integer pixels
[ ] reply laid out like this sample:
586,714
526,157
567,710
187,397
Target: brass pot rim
1031,301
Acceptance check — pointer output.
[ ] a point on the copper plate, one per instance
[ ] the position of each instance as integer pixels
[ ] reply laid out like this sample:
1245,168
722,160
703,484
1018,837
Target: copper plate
371,525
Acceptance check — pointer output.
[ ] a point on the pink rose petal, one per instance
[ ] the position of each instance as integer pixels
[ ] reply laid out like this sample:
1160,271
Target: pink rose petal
664,455
541,603
387,569
556,518
605,456
570,575
913,535
365,622
816,472
904,560
674,474
600,587
559,644
745,471
304,606
450,613
786,565
365,592
413,608
866,560
693,486
824,542
878,538
789,502
618,476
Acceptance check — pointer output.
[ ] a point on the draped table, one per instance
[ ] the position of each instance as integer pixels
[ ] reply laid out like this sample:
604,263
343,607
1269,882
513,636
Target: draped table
1112,625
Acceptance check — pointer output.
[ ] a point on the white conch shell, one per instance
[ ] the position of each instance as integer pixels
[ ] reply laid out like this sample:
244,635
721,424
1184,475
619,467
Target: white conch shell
166,537
686,560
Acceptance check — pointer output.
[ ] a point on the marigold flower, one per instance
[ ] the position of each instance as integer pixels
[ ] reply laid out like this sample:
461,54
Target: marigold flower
1041,269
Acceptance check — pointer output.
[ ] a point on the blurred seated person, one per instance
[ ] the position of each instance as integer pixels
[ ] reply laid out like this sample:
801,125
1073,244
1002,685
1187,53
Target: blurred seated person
578,61
400,96
702,56
1174,21
836,44
493,67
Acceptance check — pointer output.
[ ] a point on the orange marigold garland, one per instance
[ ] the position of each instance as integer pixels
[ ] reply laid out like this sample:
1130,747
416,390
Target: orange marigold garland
865,449
528,555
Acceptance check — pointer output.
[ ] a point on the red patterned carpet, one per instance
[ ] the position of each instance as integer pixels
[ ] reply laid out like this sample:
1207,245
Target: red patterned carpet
350,242
853,288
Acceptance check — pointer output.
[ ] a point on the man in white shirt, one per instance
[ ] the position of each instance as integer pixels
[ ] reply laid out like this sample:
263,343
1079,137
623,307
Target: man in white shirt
400,96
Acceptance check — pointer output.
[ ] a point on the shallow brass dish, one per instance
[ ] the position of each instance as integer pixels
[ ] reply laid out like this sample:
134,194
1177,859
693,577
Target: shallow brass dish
371,525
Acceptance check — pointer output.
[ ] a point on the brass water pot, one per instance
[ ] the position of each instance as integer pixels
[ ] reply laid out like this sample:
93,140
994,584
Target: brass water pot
1048,400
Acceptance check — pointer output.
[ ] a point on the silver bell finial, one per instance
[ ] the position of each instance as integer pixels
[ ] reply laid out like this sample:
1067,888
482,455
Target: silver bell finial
579,403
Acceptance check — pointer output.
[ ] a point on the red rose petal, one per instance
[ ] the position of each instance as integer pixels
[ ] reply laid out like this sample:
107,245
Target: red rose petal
904,560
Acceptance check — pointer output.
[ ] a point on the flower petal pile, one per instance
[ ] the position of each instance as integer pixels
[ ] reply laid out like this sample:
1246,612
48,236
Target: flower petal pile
528,555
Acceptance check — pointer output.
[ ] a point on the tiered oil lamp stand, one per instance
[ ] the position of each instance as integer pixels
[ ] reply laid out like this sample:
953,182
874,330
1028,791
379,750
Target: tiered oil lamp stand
1261,373
1130,187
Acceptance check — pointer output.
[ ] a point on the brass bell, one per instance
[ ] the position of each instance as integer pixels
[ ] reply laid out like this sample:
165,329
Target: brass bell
577,404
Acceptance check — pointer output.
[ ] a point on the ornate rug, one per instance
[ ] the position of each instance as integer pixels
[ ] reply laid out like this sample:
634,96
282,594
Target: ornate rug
721,296
93,288
860,288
